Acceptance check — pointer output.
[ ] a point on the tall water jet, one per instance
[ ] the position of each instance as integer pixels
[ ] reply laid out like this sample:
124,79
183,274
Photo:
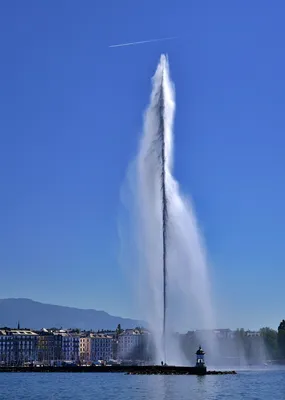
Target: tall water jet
173,280
160,109
155,150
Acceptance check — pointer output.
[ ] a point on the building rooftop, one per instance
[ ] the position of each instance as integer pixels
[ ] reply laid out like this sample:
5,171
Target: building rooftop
134,332
101,336
22,332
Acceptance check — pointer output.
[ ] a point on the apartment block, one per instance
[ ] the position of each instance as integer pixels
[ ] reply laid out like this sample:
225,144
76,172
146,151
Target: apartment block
102,346
134,344
18,346
49,347
70,347
85,349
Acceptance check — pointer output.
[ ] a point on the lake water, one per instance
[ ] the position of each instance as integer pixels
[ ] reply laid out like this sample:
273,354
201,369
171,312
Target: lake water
246,385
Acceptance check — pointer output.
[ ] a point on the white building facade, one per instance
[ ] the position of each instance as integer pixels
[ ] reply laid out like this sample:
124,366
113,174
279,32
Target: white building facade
133,344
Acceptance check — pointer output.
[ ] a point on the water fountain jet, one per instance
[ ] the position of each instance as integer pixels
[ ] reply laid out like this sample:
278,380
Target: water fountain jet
173,279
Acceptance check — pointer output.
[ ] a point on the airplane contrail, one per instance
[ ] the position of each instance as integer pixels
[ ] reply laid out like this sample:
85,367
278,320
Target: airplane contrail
142,42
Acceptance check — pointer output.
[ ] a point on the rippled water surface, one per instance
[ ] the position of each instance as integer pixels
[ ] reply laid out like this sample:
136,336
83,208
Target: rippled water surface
248,385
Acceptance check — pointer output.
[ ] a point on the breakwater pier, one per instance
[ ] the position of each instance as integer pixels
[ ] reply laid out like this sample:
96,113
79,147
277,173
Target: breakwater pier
127,369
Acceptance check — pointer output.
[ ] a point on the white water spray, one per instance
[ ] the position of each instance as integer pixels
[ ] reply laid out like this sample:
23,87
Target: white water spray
187,285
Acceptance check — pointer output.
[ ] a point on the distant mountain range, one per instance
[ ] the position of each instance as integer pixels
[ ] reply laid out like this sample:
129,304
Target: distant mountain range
35,315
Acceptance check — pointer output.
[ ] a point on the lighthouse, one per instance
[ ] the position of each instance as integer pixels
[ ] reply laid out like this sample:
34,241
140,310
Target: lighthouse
200,360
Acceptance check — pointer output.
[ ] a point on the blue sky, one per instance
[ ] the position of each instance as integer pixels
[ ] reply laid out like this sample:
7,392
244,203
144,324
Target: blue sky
70,120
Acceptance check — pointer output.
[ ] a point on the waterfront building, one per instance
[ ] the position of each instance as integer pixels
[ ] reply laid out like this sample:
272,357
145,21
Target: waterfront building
6,348
102,347
224,333
24,344
85,349
18,346
134,344
70,347
49,347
